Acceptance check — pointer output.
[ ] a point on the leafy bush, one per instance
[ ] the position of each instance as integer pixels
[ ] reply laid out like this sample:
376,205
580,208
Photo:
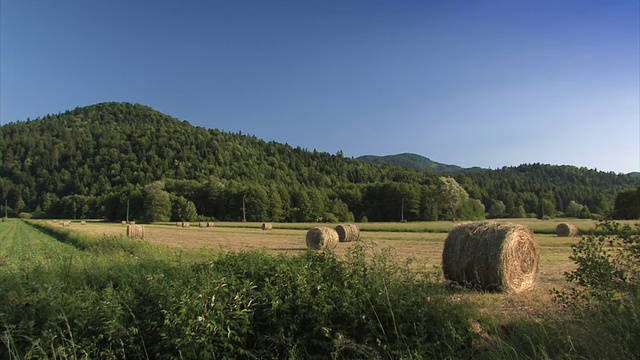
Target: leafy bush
608,266
605,297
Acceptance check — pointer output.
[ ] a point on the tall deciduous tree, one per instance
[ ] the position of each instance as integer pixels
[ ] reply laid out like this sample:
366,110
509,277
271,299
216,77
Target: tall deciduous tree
450,196
157,204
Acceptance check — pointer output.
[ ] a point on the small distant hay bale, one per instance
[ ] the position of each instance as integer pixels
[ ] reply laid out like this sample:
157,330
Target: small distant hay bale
491,256
185,224
320,238
348,232
55,221
267,226
209,224
202,225
66,223
83,222
132,222
179,224
135,231
566,230
123,222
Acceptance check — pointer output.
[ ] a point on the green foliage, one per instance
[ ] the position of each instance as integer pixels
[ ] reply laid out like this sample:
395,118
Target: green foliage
25,215
182,209
573,209
608,266
627,205
236,305
497,209
450,196
157,203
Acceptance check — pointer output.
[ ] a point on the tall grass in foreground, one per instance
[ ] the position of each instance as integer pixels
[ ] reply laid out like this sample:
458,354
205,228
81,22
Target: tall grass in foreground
236,305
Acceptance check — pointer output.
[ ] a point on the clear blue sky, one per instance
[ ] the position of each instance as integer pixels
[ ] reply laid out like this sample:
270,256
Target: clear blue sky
470,83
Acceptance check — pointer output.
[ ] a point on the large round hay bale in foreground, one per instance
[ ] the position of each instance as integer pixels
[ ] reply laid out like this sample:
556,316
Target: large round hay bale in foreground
267,226
491,256
320,238
348,232
135,231
565,230
179,224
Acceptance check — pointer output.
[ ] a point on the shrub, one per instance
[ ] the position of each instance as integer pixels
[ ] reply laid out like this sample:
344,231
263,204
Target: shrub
25,215
608,266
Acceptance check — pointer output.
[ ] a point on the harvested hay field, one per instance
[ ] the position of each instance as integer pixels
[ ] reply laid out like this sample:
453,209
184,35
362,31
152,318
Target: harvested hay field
425,247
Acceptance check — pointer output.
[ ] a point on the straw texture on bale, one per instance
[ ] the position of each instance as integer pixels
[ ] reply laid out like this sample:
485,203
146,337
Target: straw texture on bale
209,224
267,226
202,225
320,238
135,231
491,256
565,229
185,224
179,224
348,232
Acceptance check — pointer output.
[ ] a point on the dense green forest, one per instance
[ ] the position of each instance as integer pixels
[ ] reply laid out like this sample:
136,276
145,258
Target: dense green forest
414,161
88,162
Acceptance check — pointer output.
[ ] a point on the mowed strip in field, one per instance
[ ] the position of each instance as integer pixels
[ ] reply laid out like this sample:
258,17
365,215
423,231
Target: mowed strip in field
424,246
24,247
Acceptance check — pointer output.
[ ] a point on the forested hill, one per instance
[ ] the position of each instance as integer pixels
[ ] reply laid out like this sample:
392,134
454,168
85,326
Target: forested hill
412,161
86,163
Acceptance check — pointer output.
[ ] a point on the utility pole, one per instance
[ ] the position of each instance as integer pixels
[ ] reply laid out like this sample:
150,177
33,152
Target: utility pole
5,209
127,211
244,214
402,211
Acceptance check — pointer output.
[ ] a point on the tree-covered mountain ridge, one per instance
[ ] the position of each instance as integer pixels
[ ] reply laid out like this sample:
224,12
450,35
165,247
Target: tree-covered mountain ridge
417,162
89,161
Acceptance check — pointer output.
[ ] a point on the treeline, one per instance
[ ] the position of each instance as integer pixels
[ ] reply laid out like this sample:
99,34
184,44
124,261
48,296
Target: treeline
88,162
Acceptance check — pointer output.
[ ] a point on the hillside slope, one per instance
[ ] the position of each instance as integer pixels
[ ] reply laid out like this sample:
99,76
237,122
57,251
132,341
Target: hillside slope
88,161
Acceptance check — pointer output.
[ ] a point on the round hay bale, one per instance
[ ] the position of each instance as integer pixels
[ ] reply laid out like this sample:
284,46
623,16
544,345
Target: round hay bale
66,223
491,256
132,222
185,224
83,222
322,238
348,232
202,225
209,224
123,222
179,224
565,230
267,226
135,231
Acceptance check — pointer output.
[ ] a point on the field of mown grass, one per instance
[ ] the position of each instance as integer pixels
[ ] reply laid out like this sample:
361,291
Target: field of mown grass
239,291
